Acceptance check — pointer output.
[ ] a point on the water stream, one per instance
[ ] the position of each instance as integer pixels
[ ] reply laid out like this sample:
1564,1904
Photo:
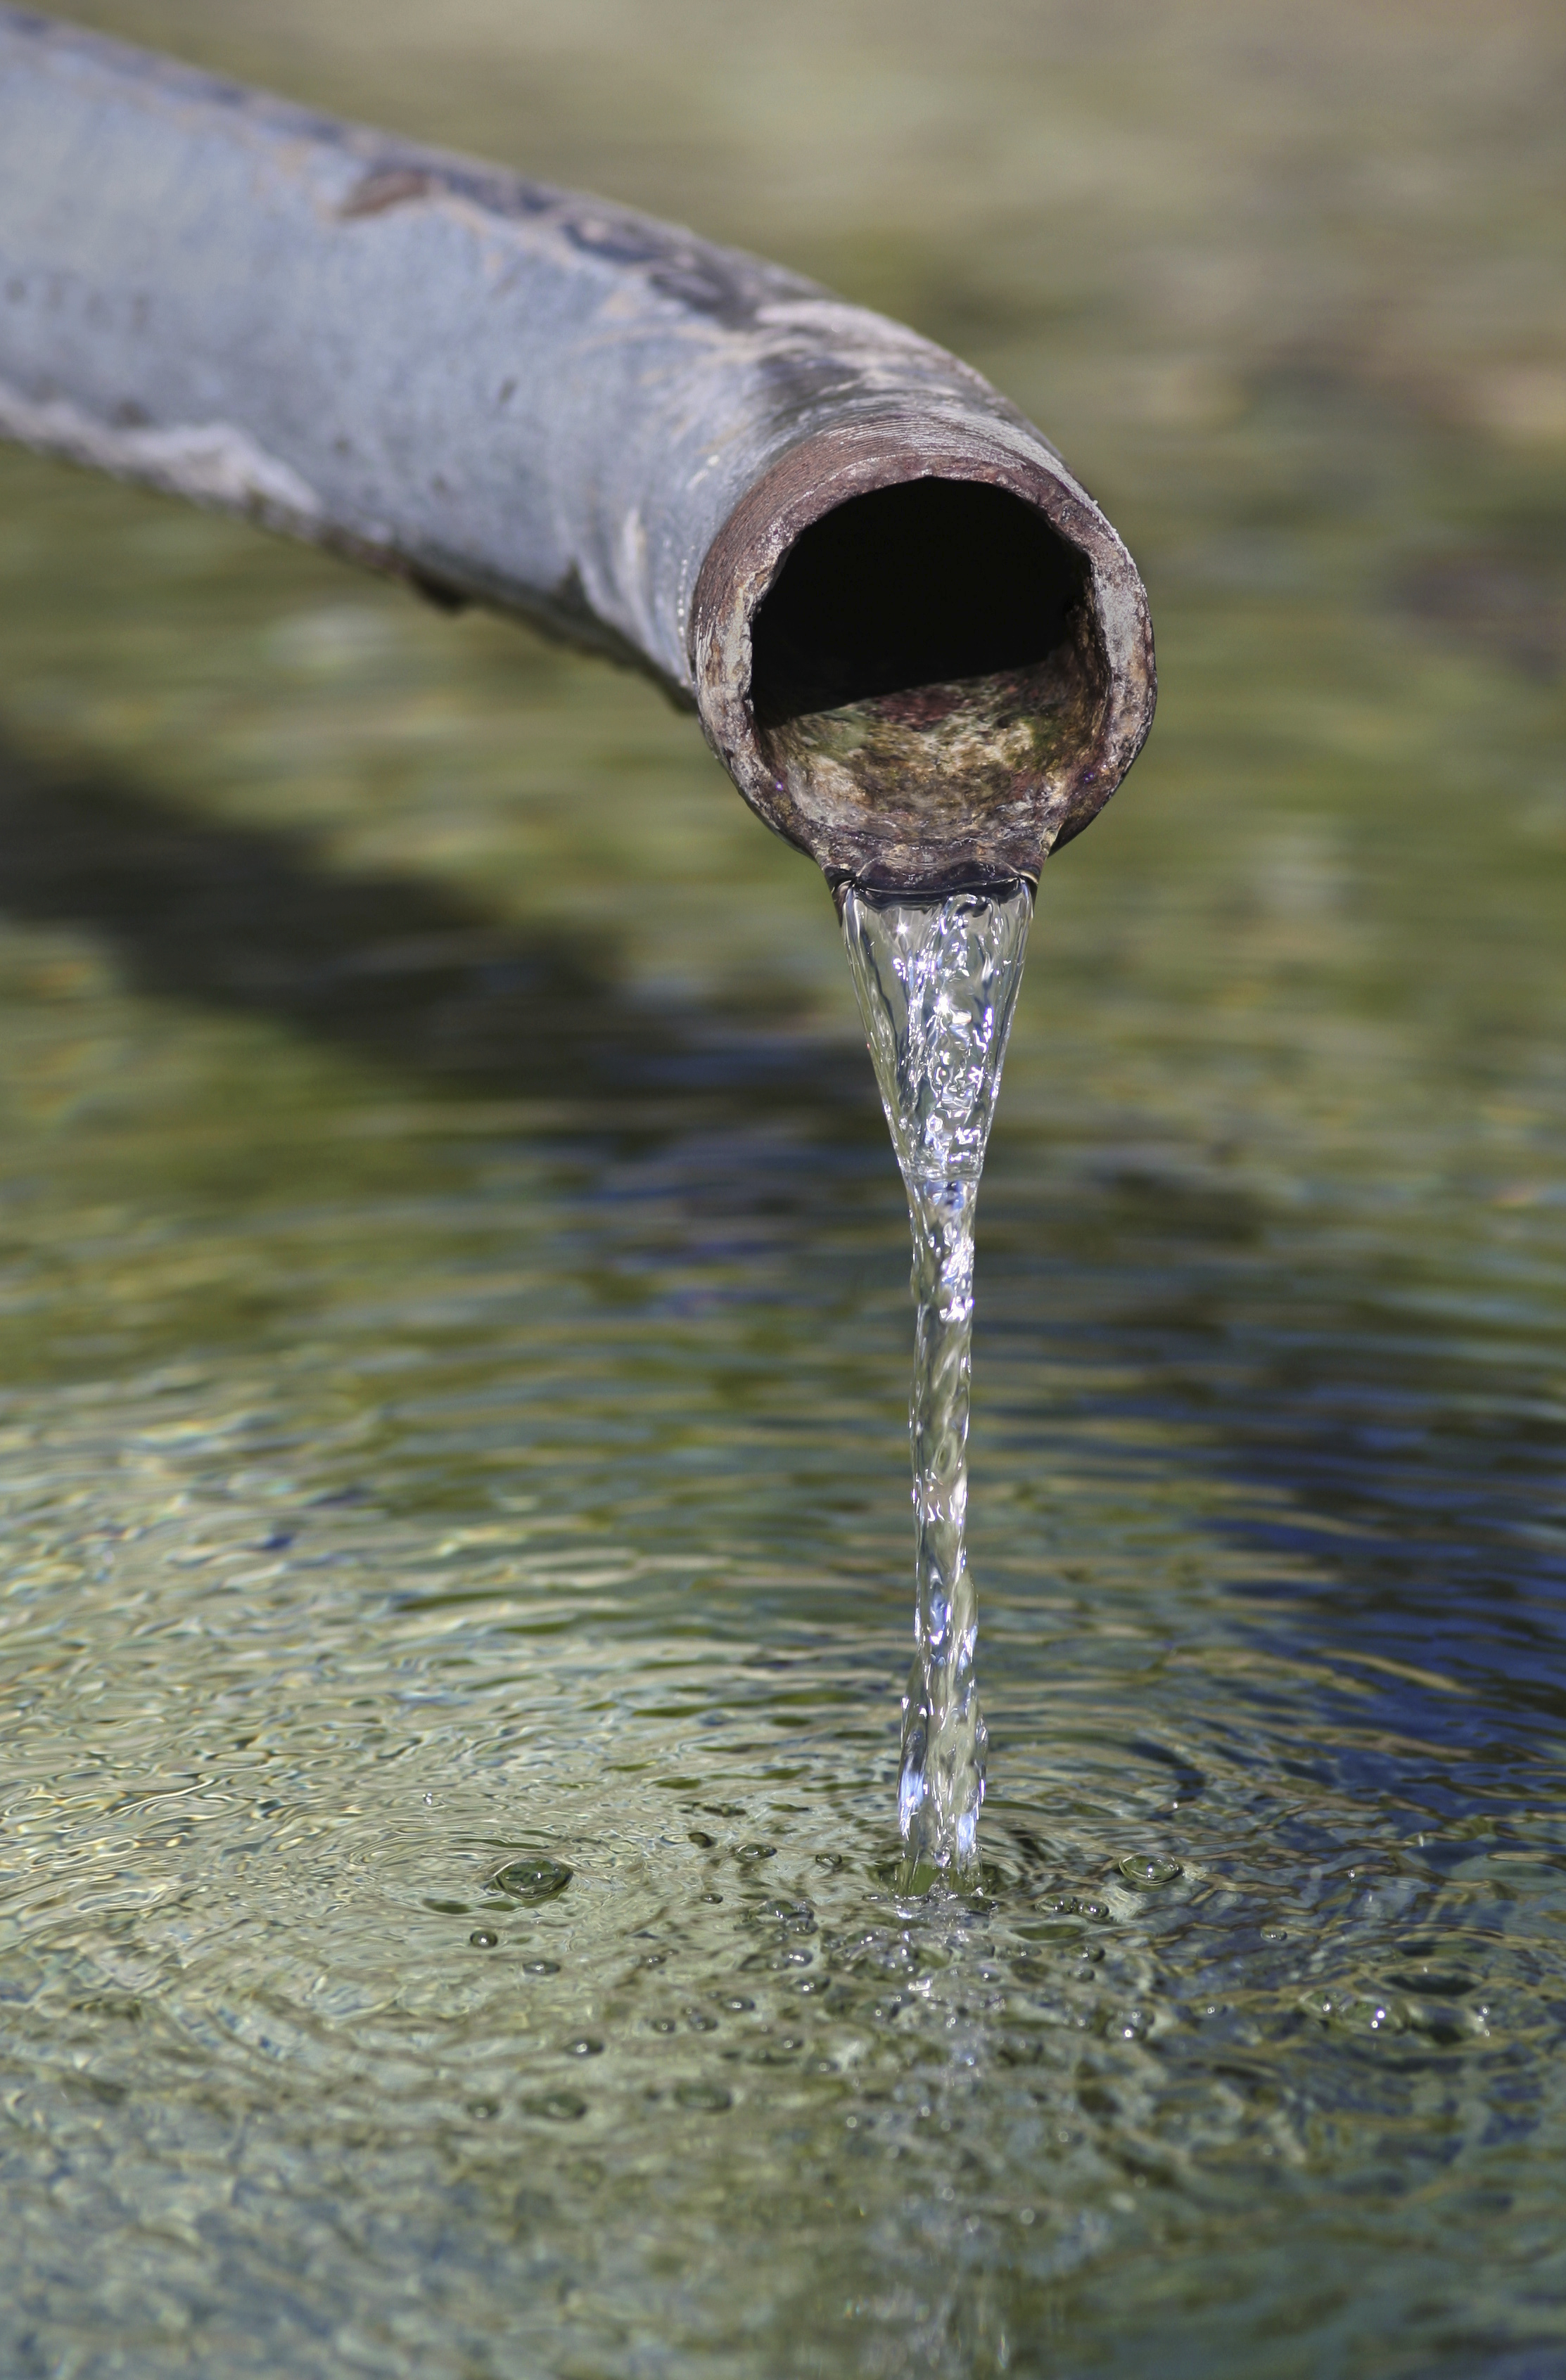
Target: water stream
937,981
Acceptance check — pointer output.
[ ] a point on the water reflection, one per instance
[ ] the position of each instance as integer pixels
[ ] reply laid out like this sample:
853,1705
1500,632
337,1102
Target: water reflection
545,1525
453,1327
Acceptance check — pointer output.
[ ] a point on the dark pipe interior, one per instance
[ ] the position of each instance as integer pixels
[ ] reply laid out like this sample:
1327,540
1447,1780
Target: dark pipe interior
911,585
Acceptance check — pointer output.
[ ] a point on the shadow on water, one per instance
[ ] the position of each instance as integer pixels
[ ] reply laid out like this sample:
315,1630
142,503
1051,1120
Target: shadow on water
402,970
1401,1492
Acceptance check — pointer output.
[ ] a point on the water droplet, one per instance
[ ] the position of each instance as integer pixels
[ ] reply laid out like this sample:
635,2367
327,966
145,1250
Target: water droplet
707,2096
1342,2010
1147,1871
586,2045
757,1852
699,2023
703,1843
559,2106
829,1860
713,1900
483,1939
663,2024
1273,1934
739,2005
532,1879
483,2111
541,1966
1068,1905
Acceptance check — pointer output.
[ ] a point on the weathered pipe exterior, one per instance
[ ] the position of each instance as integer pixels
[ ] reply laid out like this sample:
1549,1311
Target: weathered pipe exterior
509,395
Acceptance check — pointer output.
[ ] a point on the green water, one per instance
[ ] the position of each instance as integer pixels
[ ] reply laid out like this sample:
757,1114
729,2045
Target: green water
453,1324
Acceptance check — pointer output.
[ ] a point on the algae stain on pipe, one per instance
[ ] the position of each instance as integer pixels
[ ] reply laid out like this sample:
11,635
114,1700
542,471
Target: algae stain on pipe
937,979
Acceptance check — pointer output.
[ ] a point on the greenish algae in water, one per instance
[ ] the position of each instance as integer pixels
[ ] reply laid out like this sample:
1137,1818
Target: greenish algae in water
453,1307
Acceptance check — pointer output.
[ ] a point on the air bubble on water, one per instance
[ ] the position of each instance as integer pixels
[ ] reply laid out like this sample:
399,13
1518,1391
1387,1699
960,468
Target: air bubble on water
707,2097
483,1939
1147,1871
532,1879
558,2106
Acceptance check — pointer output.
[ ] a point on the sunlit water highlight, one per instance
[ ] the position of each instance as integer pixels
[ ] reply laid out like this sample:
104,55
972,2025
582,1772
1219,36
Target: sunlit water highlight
453,1325
937,980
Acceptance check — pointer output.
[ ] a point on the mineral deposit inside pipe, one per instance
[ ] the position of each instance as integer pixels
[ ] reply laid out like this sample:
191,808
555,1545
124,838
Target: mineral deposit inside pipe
937,981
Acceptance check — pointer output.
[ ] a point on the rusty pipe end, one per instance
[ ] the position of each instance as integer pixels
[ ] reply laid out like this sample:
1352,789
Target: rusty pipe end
922,653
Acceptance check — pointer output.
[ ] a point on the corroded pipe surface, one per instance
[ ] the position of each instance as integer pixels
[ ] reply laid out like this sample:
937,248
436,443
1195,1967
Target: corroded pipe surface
912,638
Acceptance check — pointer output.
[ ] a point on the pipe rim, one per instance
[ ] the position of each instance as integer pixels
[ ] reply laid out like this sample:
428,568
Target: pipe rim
814,476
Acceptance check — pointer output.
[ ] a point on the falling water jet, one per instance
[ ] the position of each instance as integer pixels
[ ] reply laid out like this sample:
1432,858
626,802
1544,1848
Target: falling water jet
937,980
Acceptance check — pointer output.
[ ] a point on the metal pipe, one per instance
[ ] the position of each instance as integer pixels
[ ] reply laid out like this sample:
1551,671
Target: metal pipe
912,638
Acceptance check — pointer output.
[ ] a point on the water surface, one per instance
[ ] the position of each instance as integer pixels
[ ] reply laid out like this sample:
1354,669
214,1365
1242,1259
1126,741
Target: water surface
454,1328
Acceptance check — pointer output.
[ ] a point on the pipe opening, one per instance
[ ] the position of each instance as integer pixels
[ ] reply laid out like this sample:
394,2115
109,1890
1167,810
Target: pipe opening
932,681
927,684
923,584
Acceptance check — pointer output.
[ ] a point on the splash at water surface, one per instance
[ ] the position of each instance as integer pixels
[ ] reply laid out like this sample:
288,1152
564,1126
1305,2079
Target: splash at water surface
937,980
